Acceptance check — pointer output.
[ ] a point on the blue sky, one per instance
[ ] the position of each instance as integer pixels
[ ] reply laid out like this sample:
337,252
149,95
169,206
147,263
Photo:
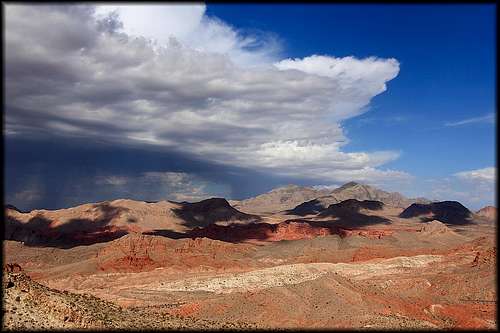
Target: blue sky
234,100
447,57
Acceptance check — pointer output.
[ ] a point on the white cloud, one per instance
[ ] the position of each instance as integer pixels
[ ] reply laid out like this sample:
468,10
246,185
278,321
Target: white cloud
489,118
485,174
190,25
70,74
473,188
349,73
329,187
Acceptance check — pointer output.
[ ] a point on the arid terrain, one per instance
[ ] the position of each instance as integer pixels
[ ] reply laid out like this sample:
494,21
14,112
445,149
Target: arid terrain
296,257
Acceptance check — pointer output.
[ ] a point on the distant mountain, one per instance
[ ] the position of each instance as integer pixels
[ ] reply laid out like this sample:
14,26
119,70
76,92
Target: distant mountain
278,199
451,212
12,207
488,212
357,191
108,220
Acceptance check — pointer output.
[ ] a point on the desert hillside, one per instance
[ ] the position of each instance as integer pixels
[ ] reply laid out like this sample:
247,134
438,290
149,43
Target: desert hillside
135,264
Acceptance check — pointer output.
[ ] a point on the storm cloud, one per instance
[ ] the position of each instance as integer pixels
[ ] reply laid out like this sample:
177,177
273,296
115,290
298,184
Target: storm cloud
76,73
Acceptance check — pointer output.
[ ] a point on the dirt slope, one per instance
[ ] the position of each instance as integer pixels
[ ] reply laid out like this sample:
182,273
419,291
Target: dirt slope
29,305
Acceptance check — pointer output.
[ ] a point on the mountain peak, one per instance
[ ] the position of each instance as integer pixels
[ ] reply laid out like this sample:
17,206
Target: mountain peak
349,185
279,199
8,206
287,187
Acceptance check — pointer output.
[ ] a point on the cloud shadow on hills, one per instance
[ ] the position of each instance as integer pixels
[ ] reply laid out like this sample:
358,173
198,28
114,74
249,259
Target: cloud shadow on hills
231,234
199,217
449,212
315,207
460,221
356,220
75,232
209,211
351,219
84,231
167,233
347,214
307,208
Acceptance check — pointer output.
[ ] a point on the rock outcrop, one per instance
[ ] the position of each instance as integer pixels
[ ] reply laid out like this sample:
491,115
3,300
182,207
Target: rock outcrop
12,268
435,227
368,233
487,257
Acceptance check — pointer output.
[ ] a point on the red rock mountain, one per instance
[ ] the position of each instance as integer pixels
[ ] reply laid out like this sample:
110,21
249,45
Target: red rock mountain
488,212
139,253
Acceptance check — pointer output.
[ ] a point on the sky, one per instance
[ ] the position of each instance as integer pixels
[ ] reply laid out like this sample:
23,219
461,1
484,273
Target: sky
186,102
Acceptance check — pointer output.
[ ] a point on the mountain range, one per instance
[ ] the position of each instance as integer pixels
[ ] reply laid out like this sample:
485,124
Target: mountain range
299,200
349,257
109,220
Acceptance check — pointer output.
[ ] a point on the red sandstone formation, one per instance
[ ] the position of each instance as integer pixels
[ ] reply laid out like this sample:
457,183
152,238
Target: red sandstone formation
485,257
12,268
260,231
136,253
288,230
435,227
368,233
